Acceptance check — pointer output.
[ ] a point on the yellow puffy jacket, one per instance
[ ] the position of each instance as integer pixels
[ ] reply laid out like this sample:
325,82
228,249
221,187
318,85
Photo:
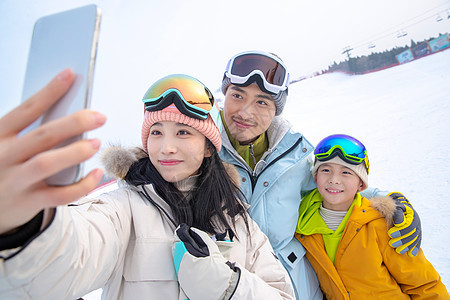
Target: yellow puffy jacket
366,267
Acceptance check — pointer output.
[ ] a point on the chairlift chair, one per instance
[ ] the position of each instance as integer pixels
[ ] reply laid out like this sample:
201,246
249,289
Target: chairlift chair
401,34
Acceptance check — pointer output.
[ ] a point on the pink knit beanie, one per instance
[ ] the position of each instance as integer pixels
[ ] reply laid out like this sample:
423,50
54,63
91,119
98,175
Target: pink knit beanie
207,127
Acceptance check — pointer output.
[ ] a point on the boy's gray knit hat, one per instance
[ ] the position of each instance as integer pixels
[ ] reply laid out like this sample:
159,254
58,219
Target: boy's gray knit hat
280,98
359,169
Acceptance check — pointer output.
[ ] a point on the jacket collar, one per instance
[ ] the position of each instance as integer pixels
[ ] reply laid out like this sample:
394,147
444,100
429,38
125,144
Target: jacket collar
277,130
252,152
147,192
274,134
311,222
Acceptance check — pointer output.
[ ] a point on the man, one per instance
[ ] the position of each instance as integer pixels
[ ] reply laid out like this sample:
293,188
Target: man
274,163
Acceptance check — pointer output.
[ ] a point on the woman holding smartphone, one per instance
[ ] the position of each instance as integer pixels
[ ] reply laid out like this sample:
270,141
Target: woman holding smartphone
176,229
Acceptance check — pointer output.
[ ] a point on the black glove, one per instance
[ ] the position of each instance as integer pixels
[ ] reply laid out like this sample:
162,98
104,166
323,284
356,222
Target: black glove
406,234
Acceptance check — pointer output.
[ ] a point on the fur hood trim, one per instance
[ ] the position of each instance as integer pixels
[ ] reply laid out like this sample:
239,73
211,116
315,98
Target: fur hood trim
118,160
386,206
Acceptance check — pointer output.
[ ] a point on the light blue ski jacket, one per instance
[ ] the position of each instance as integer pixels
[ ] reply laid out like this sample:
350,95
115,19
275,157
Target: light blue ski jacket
273,190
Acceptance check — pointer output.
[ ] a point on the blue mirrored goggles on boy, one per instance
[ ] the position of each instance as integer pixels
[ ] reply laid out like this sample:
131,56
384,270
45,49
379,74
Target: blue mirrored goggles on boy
349,149
252,66
191,97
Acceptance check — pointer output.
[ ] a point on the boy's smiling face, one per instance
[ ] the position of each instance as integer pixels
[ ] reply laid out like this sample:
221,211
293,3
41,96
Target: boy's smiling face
338,185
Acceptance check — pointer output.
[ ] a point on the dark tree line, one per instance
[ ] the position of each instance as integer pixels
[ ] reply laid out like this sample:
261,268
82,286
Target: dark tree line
371,62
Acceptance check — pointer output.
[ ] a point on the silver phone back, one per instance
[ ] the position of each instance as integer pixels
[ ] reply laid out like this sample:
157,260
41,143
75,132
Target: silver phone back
62,40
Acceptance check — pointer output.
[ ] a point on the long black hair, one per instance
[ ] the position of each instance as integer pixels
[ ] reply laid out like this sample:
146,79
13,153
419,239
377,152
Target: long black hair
214,194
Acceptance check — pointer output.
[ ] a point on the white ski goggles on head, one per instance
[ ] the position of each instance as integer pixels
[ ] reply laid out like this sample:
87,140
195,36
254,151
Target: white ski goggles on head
246,67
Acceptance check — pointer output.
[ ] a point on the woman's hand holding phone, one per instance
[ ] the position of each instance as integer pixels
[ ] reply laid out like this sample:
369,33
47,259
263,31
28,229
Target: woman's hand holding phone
25,161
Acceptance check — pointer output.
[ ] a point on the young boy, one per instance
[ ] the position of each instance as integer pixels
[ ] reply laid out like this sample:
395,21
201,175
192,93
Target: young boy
345,235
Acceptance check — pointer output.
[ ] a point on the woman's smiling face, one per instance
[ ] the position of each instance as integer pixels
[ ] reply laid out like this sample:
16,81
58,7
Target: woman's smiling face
176,150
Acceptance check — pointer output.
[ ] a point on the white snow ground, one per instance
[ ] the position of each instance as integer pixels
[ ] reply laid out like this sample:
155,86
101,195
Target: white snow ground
402,115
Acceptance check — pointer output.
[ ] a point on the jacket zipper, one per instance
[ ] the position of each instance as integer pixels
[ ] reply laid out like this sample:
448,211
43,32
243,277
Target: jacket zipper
252,153
254,178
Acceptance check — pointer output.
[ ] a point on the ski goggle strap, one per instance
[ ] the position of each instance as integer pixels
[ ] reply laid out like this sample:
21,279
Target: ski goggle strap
191,97
243,66
346,147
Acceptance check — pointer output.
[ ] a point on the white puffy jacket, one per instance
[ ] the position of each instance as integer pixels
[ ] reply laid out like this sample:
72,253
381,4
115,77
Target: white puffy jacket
122,243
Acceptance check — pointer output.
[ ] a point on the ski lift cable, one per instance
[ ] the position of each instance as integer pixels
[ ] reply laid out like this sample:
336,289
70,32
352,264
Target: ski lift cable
420,15
403,28
397,30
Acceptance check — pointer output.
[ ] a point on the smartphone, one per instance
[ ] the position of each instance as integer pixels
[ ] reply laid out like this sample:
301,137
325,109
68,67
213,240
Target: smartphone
62,40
